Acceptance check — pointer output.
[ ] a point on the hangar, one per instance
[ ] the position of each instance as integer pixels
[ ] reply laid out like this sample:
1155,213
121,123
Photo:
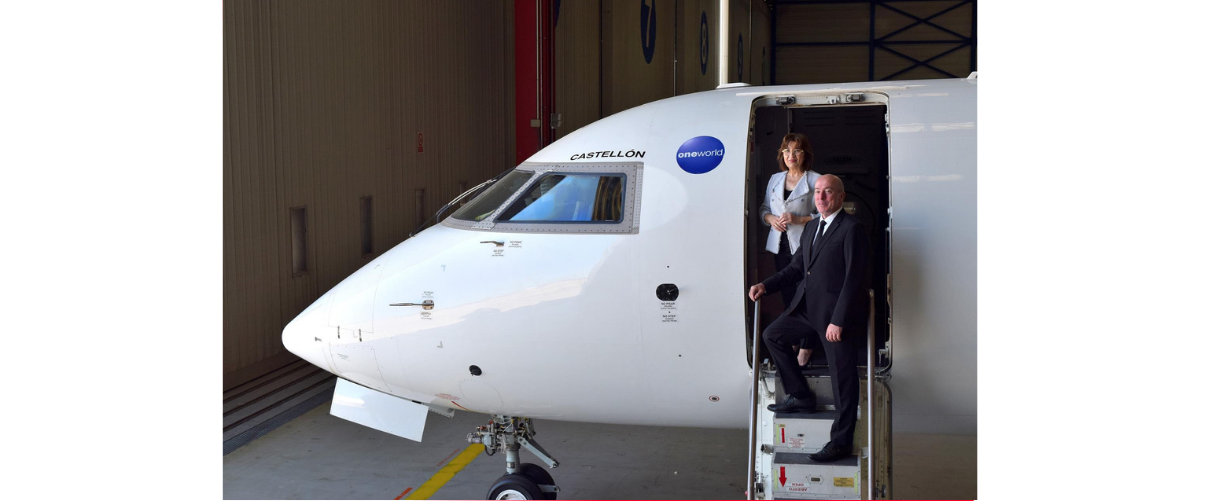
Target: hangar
348,126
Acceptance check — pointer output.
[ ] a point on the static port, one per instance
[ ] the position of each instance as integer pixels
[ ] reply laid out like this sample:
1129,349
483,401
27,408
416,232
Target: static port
474,370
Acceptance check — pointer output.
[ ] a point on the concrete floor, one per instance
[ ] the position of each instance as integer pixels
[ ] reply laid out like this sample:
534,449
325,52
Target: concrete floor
319,456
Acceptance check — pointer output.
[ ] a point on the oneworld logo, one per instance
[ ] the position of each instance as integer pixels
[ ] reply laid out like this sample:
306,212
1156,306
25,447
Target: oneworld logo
700,155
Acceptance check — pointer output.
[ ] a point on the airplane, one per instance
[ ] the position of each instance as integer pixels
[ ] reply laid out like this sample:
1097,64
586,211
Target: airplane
605,278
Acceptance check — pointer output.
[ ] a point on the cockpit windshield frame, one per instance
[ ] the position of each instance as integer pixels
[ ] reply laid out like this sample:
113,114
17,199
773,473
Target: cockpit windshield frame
632,172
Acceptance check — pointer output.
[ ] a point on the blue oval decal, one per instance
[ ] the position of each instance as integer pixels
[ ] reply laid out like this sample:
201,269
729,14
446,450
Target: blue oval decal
700,155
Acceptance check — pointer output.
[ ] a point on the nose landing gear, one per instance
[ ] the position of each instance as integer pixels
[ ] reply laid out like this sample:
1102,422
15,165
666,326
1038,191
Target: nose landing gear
522,480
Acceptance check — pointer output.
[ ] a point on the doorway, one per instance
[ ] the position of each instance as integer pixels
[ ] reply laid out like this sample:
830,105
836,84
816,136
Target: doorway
850,141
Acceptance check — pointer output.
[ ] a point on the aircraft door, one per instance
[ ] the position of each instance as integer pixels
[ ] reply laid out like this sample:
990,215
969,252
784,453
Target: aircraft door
848,140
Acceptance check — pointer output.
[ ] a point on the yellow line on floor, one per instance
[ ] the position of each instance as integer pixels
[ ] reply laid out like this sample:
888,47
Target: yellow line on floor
446,473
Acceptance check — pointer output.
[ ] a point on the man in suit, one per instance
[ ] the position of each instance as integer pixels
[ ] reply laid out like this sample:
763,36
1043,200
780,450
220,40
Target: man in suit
830,307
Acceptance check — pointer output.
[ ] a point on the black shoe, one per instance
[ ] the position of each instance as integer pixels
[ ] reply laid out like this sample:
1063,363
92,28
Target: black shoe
792,404
830,453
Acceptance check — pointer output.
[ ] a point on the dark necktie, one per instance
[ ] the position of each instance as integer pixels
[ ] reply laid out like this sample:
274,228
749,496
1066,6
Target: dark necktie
819,233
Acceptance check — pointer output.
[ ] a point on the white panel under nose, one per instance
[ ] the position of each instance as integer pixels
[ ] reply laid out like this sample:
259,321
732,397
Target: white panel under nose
379,411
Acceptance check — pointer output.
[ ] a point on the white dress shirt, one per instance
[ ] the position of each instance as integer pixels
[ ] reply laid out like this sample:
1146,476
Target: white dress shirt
828,224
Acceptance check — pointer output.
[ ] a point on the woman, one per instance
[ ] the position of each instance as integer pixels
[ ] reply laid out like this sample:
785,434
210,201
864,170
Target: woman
789,205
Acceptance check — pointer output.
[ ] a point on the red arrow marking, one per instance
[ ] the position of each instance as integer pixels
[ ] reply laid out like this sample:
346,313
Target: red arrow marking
782,476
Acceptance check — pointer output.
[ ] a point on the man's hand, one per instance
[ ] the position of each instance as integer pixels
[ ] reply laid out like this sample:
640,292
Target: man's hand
834,331
757,291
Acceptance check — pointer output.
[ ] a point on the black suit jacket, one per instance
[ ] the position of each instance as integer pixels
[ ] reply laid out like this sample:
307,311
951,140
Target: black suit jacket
834,280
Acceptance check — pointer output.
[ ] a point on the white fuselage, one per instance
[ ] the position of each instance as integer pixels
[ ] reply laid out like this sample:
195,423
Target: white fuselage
567,326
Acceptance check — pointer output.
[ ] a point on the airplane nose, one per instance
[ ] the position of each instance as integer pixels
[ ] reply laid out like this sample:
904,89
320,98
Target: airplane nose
305,335
293,341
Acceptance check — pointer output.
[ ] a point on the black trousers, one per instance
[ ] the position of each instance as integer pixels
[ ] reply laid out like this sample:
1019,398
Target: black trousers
794,329
781,261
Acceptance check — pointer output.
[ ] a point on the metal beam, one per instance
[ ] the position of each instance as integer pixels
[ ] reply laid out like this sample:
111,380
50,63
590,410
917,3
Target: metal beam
924,63
926,20
875,43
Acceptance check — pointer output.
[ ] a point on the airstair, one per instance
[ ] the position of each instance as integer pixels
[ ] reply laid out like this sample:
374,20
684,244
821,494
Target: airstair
779,443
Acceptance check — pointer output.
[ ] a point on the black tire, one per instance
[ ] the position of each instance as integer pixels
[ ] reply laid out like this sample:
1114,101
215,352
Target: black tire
539,475
514,487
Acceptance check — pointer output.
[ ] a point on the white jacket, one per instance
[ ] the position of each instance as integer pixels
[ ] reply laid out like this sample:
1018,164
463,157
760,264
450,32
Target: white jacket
801,203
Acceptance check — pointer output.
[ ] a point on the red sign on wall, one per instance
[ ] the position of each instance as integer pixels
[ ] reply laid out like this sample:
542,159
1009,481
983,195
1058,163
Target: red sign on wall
420,142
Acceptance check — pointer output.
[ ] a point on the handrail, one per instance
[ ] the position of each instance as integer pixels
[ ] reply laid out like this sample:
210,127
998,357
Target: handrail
882,371
870,372
753,403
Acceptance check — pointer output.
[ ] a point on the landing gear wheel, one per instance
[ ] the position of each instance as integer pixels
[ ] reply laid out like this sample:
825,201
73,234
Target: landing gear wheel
515,487
538,475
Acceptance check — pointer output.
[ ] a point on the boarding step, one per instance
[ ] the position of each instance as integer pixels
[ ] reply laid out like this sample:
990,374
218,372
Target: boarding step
800,432
817,380
798,477
786,440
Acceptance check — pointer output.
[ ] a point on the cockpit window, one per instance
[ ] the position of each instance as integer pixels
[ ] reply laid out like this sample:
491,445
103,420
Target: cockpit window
486,203
558,198
569,198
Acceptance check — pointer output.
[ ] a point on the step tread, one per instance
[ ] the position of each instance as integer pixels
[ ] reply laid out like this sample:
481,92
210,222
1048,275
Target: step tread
809,371
788,495
783,457
819,414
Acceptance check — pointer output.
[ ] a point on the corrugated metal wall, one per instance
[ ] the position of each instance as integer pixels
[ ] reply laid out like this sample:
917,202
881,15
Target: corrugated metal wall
748,40
698,52
760,53
638,52
577,62
324,102
738,41
610,57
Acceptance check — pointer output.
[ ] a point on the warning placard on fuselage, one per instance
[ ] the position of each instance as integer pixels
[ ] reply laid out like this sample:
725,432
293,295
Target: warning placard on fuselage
669,312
